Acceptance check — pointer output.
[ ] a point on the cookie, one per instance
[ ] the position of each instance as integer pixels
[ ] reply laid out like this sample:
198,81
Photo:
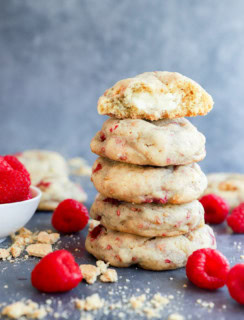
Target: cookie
143,184
154,96
42,164
158,143
54,190
229,186
124,249
148,220
49,172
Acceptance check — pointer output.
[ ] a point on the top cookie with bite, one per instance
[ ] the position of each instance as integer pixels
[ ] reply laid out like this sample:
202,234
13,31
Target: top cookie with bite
155,95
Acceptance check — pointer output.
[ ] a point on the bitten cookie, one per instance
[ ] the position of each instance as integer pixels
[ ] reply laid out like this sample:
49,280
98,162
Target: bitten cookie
158,143
148,220
142,184
123,249
154,96
229,186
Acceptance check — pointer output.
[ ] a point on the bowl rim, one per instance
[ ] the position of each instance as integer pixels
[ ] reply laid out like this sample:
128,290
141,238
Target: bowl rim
36,198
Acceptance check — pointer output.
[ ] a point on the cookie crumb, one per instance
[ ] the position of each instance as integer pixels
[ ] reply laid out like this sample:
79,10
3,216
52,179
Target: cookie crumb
79,167
205,304
29,309
175,316
102,266
92,302
4,254
109,276
49,238
39,249
159,301
137,302
89,272
151,313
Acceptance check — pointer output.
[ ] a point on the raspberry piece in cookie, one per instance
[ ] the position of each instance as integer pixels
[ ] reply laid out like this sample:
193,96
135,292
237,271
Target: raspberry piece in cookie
70,216
215,207
14,186
236,219
207,268
235,282
56,272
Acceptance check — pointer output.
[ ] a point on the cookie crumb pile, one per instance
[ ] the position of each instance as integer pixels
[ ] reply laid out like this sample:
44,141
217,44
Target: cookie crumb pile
147,174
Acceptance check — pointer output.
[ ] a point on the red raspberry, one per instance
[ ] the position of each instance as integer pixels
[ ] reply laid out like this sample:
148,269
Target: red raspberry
14,186
17,165
70,216
236,219
235,282
207,268
98,167
56,272
215,207
4,166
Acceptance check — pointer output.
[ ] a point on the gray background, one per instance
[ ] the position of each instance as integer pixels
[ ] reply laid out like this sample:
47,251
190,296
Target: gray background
58,56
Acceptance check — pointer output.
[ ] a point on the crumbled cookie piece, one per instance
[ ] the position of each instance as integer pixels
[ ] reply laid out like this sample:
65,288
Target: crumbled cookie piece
137,302
4,254
49,238
205,304
175,316
151,313
16,250
109,276
102,266
20,308
159,301
92,302
89,272
79,167
39,249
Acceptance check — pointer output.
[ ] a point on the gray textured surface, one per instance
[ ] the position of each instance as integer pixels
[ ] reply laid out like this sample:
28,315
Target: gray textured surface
58,56
17,277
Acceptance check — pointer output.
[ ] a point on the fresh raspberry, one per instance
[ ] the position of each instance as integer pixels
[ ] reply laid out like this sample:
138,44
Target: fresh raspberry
236,219
207,268
215,207
56,272
235,282
70,216
4,166
14,186
17,165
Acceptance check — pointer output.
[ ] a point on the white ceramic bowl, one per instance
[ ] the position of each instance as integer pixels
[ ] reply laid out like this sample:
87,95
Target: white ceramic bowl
14,216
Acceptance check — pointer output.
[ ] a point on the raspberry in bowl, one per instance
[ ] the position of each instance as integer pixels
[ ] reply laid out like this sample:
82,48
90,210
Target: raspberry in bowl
15,215
18,200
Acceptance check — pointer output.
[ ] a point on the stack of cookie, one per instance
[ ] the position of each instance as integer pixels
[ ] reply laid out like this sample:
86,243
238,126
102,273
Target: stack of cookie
147,176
